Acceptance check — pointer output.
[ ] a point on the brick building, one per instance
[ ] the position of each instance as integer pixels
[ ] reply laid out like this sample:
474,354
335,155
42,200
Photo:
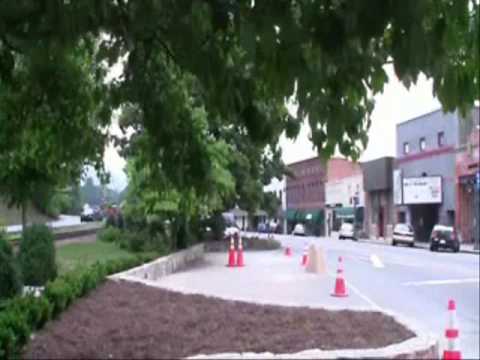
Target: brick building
344,195
306,195
467,167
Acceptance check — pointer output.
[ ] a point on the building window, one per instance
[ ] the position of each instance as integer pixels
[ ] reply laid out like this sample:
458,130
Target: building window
441,138
422,144
406,147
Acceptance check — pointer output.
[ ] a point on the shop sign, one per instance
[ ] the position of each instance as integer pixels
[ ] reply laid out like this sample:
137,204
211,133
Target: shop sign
422,190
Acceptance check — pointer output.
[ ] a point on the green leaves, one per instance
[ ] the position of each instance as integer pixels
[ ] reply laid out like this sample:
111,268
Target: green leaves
201,72
50,120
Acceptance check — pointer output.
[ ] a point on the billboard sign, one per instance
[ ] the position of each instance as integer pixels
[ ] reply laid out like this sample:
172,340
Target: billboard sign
397,187
422,190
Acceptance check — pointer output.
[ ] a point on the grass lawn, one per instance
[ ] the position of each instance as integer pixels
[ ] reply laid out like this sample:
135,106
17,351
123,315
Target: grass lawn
73,255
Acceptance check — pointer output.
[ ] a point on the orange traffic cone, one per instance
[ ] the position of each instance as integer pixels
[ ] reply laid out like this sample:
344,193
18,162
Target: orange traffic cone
240,253
231,253
340,288
305,255
288,251
451,333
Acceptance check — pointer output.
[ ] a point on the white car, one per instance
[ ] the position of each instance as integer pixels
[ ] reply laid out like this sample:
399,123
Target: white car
403,234
299,230
347,231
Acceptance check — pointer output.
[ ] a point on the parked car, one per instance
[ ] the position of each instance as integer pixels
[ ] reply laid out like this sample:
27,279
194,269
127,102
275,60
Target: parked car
97,214
444,237
299,230
347,231
403,234
87,215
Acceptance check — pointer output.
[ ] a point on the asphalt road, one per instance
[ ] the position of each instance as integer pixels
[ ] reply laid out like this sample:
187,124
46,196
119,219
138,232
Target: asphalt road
410,281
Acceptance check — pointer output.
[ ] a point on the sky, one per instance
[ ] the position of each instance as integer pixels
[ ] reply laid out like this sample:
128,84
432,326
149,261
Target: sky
396,104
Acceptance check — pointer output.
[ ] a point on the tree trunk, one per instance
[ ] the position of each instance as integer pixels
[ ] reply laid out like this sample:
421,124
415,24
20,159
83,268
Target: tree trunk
24,215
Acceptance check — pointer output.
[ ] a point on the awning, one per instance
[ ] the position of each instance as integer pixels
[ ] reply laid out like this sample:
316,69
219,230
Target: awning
345,213
316,216
290,214
300,215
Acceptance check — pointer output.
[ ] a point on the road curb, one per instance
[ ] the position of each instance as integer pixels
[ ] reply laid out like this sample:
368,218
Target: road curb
417,246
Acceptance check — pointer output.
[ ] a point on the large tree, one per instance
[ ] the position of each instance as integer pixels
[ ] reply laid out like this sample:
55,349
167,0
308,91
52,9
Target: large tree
241,61
51,117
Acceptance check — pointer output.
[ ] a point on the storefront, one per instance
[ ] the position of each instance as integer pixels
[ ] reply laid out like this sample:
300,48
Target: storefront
312,219
378,212
421,203
468,181
468,208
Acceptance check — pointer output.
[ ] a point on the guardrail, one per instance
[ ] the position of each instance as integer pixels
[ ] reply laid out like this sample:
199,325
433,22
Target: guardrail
66,232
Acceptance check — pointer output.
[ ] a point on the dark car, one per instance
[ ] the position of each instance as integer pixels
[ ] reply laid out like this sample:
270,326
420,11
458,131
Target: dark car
91,214
444,237
97,214
87,215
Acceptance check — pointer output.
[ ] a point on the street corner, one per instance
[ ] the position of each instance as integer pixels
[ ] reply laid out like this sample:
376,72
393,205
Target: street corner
268,277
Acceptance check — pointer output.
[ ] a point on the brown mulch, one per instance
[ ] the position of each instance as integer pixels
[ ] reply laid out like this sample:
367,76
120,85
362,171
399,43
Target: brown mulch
128,320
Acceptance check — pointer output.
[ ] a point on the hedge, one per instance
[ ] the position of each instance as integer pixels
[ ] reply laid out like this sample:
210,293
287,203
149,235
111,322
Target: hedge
21,316
37,255
10,277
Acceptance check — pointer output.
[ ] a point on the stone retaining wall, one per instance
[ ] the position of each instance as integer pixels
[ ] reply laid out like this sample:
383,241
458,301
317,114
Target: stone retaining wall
163,266
250,243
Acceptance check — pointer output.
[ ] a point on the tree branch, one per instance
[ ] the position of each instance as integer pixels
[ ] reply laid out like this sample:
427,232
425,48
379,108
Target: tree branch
9,45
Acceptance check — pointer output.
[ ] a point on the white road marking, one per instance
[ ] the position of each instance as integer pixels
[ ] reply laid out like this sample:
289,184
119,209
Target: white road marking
373,304
442,282
365,298
376,262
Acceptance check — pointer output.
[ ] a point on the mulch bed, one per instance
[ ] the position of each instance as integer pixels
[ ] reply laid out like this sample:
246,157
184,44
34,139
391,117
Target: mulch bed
128,320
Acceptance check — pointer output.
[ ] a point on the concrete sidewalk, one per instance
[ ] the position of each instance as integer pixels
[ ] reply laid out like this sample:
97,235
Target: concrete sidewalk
269,277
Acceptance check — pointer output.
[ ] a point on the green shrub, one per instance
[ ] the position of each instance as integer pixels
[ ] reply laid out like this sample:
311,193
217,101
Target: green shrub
22,316
37,310
158,243
17,331
217,226
111,220
37,255
136,241
10,279
110,234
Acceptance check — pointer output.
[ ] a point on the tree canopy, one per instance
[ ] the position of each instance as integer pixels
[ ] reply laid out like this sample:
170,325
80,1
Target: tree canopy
52,111
204,74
